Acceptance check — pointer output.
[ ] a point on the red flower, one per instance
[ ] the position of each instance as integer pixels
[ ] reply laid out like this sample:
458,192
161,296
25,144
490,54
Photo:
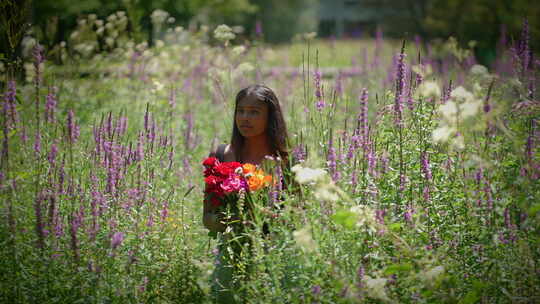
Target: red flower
228,168
213,180
211,162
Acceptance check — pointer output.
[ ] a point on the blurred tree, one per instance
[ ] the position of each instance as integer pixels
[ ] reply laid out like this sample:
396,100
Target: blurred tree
478,20
14,15
282,19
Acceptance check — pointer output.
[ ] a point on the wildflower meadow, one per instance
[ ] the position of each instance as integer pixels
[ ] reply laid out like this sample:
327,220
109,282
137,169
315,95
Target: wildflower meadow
415,169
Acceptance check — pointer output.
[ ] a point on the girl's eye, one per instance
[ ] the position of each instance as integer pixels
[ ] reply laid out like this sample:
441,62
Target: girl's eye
254,112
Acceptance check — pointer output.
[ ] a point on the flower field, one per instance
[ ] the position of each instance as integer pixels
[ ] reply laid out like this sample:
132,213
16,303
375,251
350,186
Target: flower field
416,170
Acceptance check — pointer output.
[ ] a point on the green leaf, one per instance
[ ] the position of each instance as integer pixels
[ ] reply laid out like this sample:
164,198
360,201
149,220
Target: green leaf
395,268
345,218
534,209
395,226
470,298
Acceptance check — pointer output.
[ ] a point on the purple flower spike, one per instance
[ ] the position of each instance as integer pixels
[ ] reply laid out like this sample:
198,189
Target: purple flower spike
117,239
50,105
400,86
318,90
72,127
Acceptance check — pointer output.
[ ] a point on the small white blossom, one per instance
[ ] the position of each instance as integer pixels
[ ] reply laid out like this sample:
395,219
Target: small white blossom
160,44
244,67
461,94
326,194
442,133
429,89
224,33
375,288
304,240
470,108
449,111
308,175
238,50
159,16
365,216
479,70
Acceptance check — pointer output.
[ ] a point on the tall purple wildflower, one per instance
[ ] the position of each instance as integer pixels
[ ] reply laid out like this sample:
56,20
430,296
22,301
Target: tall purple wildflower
446,94
39,58
299,153
372,161
72,128
258,28
121,125
37,143
408,214
363,118
9,104
360,273
188,116
402,182
39,220
339,84
354,180
114,163
523,48
378,48
51,157
164,211
139,153
353,145
400,86
117,239
146,119
331,160
50,105
74,228
424,158
320,103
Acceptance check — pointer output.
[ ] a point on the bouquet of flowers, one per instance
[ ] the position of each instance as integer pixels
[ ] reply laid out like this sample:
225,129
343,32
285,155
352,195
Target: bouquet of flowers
225,180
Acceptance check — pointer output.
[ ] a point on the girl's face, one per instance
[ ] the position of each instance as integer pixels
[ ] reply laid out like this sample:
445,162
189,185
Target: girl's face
251,116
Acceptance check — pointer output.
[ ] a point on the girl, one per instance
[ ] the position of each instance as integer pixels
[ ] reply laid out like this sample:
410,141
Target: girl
258,131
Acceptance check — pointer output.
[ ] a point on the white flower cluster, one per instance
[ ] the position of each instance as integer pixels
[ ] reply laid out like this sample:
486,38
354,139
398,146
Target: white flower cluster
429,89
325,189
224,33
375,288
304,239
159,16
307,175
461,106
89,29
365,216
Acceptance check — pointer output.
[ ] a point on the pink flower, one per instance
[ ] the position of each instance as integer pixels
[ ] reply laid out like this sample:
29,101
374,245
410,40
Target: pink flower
233,184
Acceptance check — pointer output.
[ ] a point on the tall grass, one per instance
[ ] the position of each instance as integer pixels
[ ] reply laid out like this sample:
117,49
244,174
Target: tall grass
430,196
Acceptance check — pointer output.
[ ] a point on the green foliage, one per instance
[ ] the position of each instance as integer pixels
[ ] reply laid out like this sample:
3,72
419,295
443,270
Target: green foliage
382,230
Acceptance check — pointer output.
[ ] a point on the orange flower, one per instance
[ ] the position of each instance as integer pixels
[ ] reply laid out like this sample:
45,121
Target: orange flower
248,168
259,180
255,183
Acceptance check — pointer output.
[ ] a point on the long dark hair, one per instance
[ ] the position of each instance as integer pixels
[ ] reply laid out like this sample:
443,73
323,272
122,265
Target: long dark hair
276,129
